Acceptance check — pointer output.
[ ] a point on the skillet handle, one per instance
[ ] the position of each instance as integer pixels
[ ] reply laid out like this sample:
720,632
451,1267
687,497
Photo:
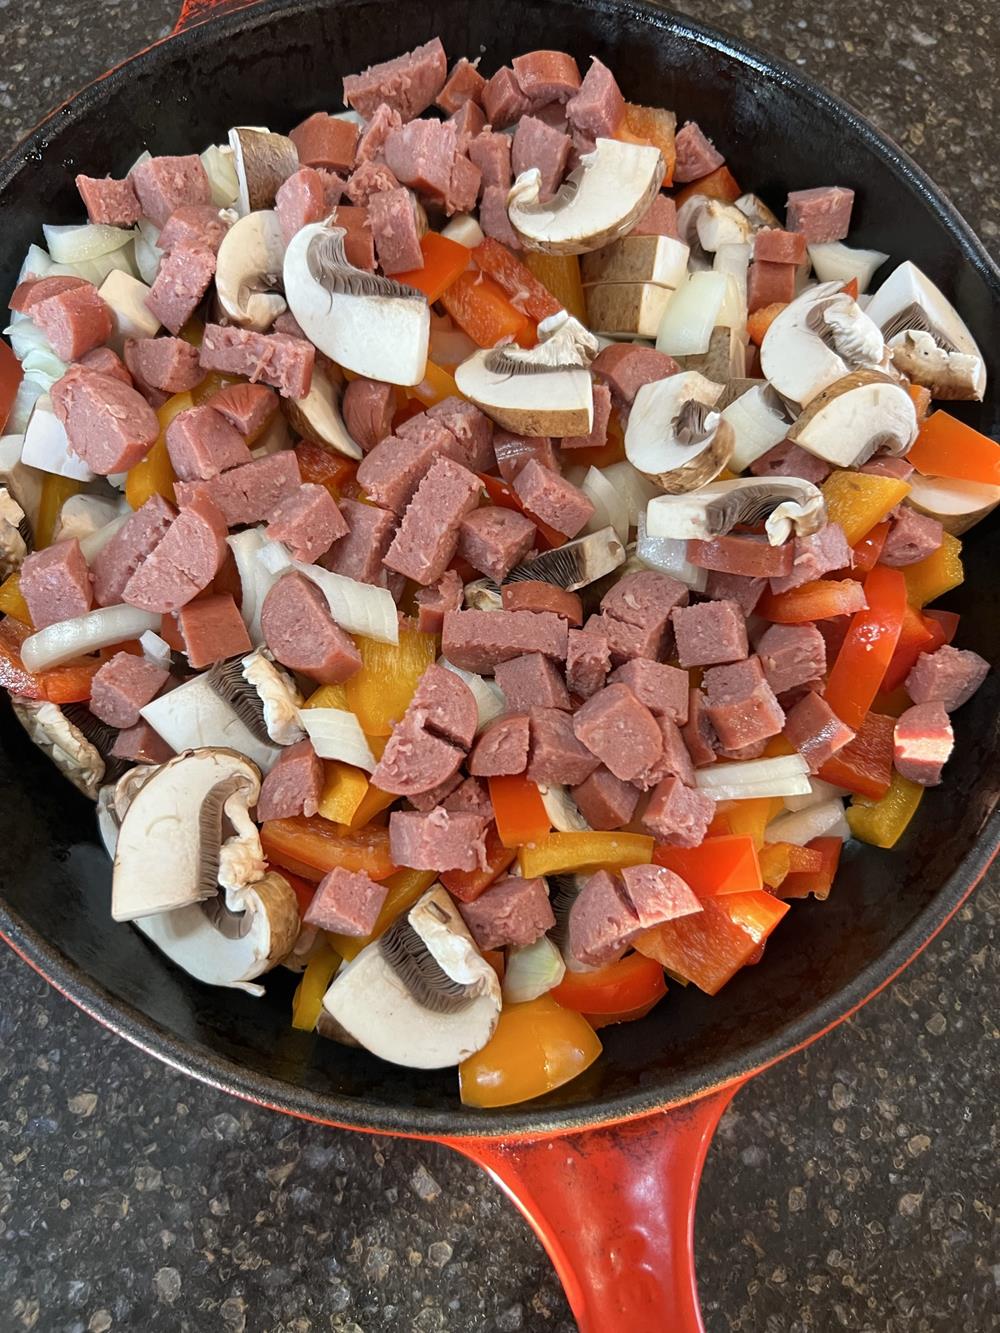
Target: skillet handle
615,1208
200,11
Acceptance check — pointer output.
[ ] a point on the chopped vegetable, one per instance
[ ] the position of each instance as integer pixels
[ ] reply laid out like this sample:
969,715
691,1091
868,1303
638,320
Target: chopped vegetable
467,885
947,447
359,608
630,983
379,693
748,817
519,811
444,260
524,290
11,601
718,184
864,765
820,600
800,827
436,385
307,1004
859,500
917,635
786,775
335,733
67,684
325,468
536,1047
56,491
866,552
312,847
155,474
779,859
532,970
405,887
935,575
802,883
560,275
344,788
725,864
66,639
860,667
478,305
10,380
561,853
504,497
883,822
709,947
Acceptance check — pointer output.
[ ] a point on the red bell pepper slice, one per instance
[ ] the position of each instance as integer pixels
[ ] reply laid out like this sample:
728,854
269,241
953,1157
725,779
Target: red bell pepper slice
444,261
505,497
311,846
802,883
719,865
523,289
10,381
865,764
519,810
710,947
948,620
467,885
868,550
918,635
867,650
324,468
617,988
481,309
820,600
947,447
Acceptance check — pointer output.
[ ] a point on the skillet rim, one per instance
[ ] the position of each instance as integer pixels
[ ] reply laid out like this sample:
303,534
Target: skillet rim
458,1122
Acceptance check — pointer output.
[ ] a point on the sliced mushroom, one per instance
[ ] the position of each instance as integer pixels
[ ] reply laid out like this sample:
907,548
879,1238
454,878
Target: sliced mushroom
171,850
482,595
366,323
278,694
421,995
317,416
908,301
607,194
958,505
659,259
15,534
544,390
786,505
632,309
248,271
726,358
955,375
217,708
856,417
263,161
563,812
576,564
65,744
674,436
720,224
756,211
759,422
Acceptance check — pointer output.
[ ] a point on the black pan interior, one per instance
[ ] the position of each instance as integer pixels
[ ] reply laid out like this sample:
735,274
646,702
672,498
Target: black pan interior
272,67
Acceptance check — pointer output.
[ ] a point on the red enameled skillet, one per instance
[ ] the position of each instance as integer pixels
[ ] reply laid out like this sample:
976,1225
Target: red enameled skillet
606,1170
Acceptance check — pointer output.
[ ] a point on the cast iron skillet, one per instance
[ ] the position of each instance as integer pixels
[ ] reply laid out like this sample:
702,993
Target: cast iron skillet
615,1208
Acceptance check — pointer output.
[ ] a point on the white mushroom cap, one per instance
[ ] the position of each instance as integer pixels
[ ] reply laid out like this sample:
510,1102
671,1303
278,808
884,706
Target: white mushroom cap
248,270
674,437
786,504
816,340
318,415
855,417
263,161
957,505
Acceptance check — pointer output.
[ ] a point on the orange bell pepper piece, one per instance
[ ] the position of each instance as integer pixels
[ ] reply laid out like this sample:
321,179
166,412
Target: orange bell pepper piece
860,666
780,859
948,620
709,947
344,788
311,846
12,602
437,385
467,885
444,260
864,765
155,475
883,822
947,447
918,635
761,320
505,497
379,693
616,988
537,1046
725,864
937,574
652,125
405,887
859,500
820,600
868,550
567,852
802,883
479,306
750,817
10,381
55,492
66,684
324,468
372,803
519,810
921,400
525,291
560,275
718,184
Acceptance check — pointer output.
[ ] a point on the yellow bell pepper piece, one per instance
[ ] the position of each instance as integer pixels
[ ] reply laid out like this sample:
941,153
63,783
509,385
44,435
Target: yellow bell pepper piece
55,492
307,1004
344,788
378,694
882,823
193,331
537,1046
328,696
750,818
155,475
561,275
565,852
859,500
11,602
372,803
212,383
405,887
435,387
932,577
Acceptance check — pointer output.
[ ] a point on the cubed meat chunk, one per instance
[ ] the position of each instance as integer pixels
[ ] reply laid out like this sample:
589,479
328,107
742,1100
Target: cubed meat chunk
122,687
308,522
741,704
678,815
813,556
55,583
163,184
109,203
426,540
201,444
494,540
408,84
284,363
322,140
368,407
299,630
438,840
948,676
606,802
922,743
620,731
293,786
479,640
556,753
359,554
588,661
513,912
823,214
709,634
815,730
212,629
502,748
791,655
598,108
532,681
108,424
184,562
183,278
697,156
346,902
913,536
433,602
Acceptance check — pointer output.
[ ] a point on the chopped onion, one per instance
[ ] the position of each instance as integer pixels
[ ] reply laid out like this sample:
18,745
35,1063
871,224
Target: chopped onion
43,367
93,544
669,555
692,313
36,264
757,425
819,793
67,639
610,508
28,394
25,336
46,446
562,810
75,245
256,581
82,516
532,970
464,229
836,262
801,826
785,775
96,270
336,734
635,489
734,259
155,649
144,156
359,608
147,253
218,163
488,694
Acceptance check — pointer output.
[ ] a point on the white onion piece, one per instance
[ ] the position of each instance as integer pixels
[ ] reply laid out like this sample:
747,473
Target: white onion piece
75,245
93,544
46,446
221,173
610,508
562,810
256,581
465,230
669,556
532,971
96,270
336,734
837,262
359,608
490,702
67,639
634,488
819,793
692,313
84,515
25,336
28,394
734,259
155,649
785,775
147,253
36,264
801,826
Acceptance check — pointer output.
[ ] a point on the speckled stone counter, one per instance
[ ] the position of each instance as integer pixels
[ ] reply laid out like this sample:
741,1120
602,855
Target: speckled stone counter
854,1186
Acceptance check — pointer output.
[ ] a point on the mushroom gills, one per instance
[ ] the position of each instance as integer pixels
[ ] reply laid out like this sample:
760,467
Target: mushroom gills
420,972
216,708
101,737
786,505
674,435
572,566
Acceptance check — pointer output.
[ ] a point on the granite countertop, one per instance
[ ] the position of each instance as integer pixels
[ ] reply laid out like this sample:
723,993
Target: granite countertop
854,1186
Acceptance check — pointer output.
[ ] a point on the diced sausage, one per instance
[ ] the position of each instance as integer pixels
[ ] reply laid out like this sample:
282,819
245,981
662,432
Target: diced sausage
394,228
416,763
513,452
183,278
33,291
922,743
553,499
790,460
407,84
109,203
103,361
769,284
322,140
201,444
532,595
116,562
494,218
184,561
359,554
469,121
346,902
502,749
293,786
948,676
300,201
661,688
108,424
427,538
741,553
370,179
368,407
697,732
636,614
598,108
372,142
308,522
822,214
55,583
626,367
141,744
439,795
745,592
200,225
359,244
471,797
168,364
75,320
741,704
284,363
557,755
163,184
464,84
813,556
421,154
435,601
478,640
249,493
815,730
513,912
659,220
657,895
602,922
393,470
247,407
299,630
709,634
775,246
438,840
531,681
678,815
674,758
791,655
697,156
213,630
490,152
472,429
503,101
445,706
546,76
538,145
605,801
598,436
494,540
620,731
588,661
912,537
886,465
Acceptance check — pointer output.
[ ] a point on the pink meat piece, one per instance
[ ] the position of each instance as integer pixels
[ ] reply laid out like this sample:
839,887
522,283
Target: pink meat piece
116,562
546,76
532,681
552,114
109,203
538,145
75,320
288,324
142,745
184,561
513,912
394,228
588,661
183,278
597,110
674,758
742,752
108,424
598,436
465,184
626,367
534,595
435,601
494,540
199,225
697,732
300,201
284,363
370,179
421,154
427,538
418,764
491,154
392,472
741,704
103,361
442,793
368,407
308,522
697,156
201,444
502,99
602,922
948,676
33,291
469,121
658,895
775,246
250,493
820,553
247,407
472,429
791,655
479,640
407,84
912,537
742,553
709,634
678,815
745,592
620,731
163,184
168,364
922,743
815,730
212,629
659,220
822,214
321,140
661,688
438,840
359,244
494,218
605,801
346,902
372,142
463,86
359,554
299,630
557,755
769,284
445,706
513,452
470,797
789,460
636,614
502,749
293,786
553,499
55,583
885,465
